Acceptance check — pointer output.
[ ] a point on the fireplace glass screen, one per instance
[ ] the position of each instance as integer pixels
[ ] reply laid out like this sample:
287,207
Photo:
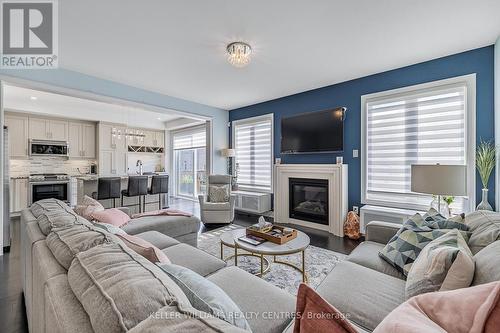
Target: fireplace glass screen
309,199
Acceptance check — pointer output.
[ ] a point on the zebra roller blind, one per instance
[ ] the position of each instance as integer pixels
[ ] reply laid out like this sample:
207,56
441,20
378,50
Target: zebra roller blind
193,138
418,127
253,143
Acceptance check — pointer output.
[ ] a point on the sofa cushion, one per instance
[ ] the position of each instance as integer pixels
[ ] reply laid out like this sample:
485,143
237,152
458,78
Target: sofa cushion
162,321
315,314
172,226
194,259
487,264
41,206
485,228
446,263
67,242
118,288
205,296
63,311
366,254
363,293
268,308
159,240
58,219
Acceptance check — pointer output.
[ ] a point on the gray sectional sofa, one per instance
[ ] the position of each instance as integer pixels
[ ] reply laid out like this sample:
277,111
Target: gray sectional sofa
79,279
55,302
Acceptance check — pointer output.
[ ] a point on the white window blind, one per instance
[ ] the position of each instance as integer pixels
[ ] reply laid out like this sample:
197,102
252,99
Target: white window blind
253,142
425,126
190,139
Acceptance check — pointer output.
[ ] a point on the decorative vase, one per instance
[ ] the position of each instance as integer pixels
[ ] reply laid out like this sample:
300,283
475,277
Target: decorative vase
484,204
440,206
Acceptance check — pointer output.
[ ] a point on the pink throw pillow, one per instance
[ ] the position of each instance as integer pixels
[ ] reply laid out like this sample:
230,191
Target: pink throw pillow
467,310
314,314
112,216
144,248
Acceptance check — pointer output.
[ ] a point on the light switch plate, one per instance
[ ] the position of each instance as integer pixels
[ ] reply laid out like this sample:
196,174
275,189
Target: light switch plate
355,153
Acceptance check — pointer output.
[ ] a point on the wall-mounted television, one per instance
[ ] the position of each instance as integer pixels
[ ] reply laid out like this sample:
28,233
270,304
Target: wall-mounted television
313,132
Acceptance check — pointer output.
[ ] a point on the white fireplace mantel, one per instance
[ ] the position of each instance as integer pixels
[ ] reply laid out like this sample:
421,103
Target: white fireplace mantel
336,174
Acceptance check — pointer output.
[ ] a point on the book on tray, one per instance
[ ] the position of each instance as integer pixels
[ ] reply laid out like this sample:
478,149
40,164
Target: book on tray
251,239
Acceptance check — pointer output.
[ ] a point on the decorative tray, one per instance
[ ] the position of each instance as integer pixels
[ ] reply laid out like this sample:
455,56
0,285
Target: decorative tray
275,235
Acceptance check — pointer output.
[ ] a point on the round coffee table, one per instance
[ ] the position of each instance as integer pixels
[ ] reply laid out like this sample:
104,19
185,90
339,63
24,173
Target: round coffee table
296,245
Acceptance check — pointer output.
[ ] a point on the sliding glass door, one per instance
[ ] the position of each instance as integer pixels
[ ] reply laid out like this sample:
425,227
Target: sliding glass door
190,162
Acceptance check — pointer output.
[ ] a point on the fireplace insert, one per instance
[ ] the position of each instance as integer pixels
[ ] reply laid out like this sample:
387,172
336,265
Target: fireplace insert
308,199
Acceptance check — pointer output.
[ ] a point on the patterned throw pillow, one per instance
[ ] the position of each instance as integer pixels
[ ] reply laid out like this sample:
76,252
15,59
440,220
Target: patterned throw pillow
446,263
437,221
218,193
404,247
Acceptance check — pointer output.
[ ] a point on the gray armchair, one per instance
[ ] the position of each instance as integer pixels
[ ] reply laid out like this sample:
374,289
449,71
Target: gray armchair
217,212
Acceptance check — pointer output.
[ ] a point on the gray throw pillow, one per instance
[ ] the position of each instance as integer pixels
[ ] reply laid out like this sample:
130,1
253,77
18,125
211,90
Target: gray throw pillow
205,296
218,193
446,263
403,248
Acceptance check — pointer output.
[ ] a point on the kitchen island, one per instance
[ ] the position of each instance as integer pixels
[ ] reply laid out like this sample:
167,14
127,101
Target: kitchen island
87,184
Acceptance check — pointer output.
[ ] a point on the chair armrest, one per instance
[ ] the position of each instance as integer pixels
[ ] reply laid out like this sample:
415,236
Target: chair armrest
381,232
202,198
126,210
232,200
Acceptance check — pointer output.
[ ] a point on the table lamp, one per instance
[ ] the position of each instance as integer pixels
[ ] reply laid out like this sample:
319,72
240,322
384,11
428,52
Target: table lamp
439,180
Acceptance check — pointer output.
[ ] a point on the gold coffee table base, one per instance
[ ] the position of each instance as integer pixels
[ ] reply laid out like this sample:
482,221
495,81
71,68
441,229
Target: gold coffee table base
236,255
263,259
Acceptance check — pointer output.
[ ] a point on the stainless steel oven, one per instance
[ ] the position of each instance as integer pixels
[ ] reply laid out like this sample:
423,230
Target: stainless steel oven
49,148
49,186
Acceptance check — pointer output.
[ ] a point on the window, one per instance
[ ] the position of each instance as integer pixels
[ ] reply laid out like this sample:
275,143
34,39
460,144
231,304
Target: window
253,142
425,124
190,162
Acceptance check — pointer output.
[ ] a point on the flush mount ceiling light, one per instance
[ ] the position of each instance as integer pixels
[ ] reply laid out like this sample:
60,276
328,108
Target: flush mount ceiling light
238,54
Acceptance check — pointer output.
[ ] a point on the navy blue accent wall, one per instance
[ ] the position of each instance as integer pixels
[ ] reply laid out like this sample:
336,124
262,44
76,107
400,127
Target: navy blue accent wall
348,94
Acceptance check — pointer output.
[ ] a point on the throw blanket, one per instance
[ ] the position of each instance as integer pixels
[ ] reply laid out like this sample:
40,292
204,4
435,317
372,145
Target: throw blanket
167,212
468,310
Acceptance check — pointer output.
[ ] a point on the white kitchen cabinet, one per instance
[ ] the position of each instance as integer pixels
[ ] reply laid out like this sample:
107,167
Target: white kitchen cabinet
18,135
149,139
82,138
160,139
58,130
75,138
48,129
108,140
38,129
18,194
88,143
112,163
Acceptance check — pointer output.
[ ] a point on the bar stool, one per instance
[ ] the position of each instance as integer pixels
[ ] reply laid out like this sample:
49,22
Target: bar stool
159,185
108,188
137,187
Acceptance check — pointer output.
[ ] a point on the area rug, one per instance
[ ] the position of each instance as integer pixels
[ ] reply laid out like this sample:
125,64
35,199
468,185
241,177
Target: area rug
319,262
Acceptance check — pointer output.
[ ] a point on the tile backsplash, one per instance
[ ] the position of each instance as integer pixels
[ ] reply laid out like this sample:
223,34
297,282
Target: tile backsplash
40,164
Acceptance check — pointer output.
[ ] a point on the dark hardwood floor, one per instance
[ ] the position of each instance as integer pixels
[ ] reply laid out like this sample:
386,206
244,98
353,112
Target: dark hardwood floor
12,309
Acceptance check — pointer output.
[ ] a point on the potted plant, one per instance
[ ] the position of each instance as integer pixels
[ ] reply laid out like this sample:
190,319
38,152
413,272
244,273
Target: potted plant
485,162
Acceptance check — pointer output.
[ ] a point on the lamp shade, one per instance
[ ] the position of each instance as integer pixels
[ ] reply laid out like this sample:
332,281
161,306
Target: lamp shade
228,152
439,179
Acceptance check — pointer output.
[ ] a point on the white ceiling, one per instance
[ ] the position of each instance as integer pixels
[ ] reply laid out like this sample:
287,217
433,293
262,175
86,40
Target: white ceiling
177,47
20,99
